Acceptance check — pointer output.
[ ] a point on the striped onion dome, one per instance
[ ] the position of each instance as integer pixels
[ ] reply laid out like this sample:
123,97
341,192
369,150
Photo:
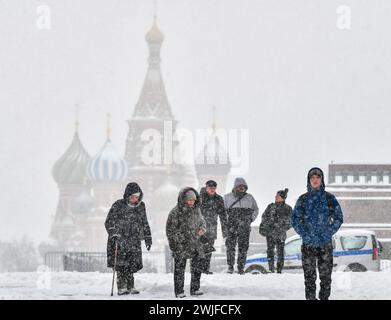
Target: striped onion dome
71,167
108,165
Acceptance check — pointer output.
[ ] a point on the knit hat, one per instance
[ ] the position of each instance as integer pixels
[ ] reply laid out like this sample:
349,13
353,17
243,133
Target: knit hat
315,172
283,193
190,195
211,183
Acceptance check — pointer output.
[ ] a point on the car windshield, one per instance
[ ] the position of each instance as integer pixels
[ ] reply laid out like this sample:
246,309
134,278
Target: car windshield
293,247
353,242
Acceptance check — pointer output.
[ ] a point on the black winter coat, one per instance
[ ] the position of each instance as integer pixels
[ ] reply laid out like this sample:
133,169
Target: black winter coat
212,208
183,224
276,221
131,224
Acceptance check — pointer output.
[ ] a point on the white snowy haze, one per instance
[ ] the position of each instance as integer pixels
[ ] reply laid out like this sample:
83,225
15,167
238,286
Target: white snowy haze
308,91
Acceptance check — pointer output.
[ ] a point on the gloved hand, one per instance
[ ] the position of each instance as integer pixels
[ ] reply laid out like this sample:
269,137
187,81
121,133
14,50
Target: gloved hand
148,243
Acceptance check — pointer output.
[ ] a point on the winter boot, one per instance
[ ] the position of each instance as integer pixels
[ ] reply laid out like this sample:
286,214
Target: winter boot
180,295
196,293
241,272
134,291
122,284
230,269
122,291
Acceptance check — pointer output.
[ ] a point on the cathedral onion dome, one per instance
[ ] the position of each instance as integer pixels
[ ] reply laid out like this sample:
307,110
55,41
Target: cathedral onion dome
154,34
108,165
71,167
83,203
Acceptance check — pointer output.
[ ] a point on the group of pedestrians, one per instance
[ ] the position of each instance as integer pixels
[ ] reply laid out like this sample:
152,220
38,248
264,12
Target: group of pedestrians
191,230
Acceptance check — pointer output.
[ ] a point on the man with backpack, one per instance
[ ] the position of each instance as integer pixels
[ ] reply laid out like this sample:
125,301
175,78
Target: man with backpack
242,210
317,216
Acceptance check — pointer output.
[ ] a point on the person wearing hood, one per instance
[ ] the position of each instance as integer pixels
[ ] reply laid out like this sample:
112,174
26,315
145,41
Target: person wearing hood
242,210
185,225
127,225
317,216
212,208
276,221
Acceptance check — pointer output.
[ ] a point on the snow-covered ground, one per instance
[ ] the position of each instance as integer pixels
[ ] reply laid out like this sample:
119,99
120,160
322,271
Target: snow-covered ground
75,285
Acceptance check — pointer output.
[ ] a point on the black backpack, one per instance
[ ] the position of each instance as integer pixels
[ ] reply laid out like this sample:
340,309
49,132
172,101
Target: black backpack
329,198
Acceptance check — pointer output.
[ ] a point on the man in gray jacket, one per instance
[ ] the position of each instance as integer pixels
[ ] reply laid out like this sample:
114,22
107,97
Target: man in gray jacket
242,210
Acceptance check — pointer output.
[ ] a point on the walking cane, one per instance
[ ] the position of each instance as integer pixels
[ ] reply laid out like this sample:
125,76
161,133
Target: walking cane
115,267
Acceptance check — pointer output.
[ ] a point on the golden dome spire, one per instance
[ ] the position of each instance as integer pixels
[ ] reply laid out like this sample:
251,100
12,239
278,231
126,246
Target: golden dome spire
154,34
214,119
154,11
108,130
77,111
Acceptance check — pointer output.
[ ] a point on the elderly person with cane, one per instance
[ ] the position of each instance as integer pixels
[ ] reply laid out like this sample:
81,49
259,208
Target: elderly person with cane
127,225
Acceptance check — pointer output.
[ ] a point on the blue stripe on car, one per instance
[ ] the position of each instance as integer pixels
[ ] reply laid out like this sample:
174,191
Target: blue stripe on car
298,256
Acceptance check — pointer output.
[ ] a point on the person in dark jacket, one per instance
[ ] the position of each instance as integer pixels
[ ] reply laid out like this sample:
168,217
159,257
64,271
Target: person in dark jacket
242,210
185,225
276,221
127,225
212,208
317,216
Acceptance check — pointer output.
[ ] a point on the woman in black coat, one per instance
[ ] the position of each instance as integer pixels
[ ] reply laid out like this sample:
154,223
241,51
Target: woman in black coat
127,225
184,228
276,221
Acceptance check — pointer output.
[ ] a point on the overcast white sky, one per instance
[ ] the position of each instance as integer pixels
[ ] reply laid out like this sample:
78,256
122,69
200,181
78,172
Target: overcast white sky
308,92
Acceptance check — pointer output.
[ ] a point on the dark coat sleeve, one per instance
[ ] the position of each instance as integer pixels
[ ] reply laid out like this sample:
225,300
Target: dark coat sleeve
263,227
145,225
338,216
172,232
110,223
288,224
201,221
296,219
223,218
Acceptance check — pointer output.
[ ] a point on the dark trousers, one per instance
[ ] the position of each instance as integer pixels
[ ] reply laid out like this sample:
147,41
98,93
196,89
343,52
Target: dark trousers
179,274
208,256
125,278
272,245
240,237
321,257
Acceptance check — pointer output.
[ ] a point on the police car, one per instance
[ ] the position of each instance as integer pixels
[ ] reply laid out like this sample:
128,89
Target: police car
354,250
